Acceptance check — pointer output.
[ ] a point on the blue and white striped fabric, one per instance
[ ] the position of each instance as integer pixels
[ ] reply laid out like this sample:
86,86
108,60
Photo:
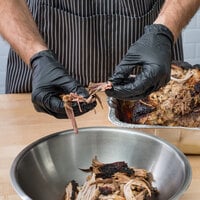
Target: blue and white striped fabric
89,37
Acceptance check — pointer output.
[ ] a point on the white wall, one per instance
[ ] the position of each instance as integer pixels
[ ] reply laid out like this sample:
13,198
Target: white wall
191,40
191,45
4,48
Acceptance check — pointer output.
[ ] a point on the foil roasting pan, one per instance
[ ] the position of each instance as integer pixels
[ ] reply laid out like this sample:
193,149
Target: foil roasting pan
185,138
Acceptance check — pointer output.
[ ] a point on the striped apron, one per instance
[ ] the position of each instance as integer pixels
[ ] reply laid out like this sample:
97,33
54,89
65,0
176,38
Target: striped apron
89,37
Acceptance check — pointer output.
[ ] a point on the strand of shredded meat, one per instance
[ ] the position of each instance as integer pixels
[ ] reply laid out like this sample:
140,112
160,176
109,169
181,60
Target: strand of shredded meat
93,88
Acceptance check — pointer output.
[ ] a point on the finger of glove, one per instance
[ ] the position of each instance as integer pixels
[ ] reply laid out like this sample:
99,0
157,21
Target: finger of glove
83,107
48,102
78,108
140,87
51,103
125,68
128,92
80,90
70,85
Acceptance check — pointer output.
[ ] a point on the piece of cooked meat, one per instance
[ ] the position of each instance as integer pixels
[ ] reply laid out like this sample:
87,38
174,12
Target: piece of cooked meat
114,181
176,104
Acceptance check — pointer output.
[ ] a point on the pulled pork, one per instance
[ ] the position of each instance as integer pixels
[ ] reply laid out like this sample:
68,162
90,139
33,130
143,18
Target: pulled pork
176,104
113,181
67,99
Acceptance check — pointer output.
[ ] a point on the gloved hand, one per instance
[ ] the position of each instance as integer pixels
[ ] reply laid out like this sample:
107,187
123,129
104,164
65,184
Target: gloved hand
49,81
153,53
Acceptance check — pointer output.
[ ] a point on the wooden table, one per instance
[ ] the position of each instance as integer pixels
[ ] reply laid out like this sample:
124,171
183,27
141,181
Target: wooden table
20,125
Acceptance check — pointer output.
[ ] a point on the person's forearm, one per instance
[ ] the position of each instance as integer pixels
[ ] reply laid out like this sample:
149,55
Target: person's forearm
176,14
19,29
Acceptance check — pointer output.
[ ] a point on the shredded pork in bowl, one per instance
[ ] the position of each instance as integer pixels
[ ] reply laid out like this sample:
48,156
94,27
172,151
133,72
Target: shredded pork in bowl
116,181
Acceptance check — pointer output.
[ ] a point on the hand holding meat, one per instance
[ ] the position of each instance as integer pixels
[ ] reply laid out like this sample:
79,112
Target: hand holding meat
49,81
152,52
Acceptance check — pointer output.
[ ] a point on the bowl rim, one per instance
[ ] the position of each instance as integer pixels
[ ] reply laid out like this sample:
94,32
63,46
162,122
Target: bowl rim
22,153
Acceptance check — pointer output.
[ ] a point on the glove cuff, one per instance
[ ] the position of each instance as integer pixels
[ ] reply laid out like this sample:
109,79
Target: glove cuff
159,29
44,53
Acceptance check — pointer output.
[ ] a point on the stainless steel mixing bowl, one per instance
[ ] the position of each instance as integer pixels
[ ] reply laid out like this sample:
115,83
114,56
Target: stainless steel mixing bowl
42,170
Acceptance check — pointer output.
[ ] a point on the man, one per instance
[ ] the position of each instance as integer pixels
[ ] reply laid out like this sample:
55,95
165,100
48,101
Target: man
90,38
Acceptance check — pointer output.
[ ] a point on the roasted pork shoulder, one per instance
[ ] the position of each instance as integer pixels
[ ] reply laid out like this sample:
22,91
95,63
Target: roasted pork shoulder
176,104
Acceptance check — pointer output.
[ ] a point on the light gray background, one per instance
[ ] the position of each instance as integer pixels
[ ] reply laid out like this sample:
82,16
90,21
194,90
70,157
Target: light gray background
191,45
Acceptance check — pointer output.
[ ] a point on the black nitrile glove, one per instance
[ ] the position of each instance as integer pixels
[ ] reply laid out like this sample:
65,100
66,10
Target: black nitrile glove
49,81
153,53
